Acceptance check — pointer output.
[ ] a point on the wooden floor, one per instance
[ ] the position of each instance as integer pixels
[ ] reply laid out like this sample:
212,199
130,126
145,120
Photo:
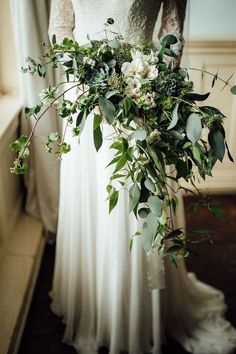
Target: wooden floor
216,265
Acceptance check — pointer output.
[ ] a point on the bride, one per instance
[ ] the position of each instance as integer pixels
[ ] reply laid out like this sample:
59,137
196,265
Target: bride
106,295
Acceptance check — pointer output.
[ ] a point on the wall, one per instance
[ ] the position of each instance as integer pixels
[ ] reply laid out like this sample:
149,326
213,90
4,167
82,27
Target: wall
212,19
8,68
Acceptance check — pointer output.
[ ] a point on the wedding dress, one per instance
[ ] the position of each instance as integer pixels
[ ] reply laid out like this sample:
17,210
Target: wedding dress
106,295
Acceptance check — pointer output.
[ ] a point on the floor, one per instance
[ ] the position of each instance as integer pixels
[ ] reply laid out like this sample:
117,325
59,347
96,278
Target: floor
44,330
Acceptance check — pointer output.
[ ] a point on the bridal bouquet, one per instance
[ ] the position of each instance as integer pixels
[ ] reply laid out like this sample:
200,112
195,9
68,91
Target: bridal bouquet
158,126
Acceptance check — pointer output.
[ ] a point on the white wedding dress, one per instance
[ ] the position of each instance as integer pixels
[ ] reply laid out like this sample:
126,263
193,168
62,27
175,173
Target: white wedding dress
106,295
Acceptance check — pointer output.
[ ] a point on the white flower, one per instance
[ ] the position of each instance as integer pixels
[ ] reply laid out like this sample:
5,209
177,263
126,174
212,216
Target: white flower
150,72
134,86
153,136
142,66
88,61
48,95
133,68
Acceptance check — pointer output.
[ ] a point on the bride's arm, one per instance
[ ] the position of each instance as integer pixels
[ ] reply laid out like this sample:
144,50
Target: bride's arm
173,22
61,21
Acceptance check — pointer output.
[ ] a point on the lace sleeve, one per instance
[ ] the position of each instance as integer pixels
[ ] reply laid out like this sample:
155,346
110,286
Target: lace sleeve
173,22
61,21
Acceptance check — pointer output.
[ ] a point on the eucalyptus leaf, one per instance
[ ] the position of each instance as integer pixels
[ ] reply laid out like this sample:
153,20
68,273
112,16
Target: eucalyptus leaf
155,204
147,238
217,142
174,117
168,40
114,44
150,185
139,134
143,212
176,135
192,96
134,195
152,222
233,90
194,127
111,93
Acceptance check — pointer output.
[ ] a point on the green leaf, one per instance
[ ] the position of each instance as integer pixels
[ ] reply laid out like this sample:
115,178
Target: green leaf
107,108
147,237
217,142
174,117
114,195
152,222
233,90
116,176
174,203
173,234
228,151
150,185
187,145
19,144
183,73
114,44
182,169
176,135
111,93
217,212
139,134
126,105
196,96
168,40
155,205
97,138
194,127
134,195
80,122
196,153
143,213
170,53
116,159
120,163
97,121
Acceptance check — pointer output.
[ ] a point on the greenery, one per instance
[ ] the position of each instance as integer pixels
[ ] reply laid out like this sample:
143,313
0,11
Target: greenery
158,126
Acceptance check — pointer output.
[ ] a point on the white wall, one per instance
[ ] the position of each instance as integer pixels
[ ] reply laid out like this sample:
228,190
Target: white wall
212,19
8,66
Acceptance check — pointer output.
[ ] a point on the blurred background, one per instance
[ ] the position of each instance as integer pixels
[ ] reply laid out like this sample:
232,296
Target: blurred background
28,207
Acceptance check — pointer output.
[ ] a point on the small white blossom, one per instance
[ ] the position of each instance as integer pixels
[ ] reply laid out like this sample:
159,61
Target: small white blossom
149,100
88,61
133,87
153,136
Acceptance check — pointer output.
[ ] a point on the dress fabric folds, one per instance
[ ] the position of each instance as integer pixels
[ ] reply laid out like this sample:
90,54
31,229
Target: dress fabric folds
107,295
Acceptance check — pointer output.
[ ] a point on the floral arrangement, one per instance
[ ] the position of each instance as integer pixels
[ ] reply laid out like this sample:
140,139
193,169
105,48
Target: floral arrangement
158,126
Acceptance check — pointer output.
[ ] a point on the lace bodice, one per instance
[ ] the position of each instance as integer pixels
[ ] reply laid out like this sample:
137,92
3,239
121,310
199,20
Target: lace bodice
134,19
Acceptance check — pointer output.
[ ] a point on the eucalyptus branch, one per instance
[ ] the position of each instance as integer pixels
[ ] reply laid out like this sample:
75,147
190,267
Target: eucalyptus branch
226,82
37,121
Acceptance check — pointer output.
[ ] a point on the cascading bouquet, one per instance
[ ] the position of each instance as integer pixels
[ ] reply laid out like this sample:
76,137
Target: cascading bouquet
150,103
